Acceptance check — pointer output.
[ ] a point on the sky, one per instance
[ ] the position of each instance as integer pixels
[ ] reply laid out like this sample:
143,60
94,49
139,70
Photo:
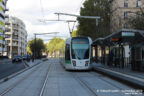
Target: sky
32,11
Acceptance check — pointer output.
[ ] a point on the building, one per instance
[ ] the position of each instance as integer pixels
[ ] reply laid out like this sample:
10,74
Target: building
16,37
122,10
2,25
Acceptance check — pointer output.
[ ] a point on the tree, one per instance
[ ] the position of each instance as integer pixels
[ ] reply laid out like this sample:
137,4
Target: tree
87,27
137,23
55,45
75,33
35,47
29,50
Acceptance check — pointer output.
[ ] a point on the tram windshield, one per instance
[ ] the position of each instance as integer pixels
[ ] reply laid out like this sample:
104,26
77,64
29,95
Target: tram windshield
80,49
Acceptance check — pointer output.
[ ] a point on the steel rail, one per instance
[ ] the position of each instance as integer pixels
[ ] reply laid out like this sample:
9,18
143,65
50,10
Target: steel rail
45,81
109,82
84,83
18,82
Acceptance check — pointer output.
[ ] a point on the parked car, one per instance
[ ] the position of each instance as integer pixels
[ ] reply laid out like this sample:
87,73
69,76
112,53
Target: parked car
26,57
17,58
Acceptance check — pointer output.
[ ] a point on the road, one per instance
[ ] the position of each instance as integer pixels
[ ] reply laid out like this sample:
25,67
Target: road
50,79
10,68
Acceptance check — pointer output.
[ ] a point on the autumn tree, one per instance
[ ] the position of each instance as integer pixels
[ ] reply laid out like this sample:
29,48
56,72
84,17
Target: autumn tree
75,33
56,44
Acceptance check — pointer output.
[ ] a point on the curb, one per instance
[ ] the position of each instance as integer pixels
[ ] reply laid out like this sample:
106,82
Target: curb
127,79
17,73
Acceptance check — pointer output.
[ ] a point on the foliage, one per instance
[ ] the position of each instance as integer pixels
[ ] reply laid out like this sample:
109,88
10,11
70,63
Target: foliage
75,33
137,23
55,45
87,27
29,50
36,46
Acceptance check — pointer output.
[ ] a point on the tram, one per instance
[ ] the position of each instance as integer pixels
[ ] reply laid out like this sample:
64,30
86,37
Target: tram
77,54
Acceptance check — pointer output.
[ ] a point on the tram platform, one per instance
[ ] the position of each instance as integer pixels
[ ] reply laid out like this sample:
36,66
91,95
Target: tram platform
125,75
30,63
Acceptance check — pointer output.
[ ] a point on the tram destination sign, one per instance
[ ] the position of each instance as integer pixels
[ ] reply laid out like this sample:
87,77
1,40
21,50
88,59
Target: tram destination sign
128,34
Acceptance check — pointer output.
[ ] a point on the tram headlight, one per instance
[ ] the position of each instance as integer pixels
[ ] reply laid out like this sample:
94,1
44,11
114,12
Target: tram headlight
74,63
86,63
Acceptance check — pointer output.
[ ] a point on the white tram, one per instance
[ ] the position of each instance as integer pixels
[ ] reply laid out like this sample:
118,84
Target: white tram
77,54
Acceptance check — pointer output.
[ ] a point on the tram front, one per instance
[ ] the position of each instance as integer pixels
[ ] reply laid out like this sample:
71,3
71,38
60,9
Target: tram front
81,53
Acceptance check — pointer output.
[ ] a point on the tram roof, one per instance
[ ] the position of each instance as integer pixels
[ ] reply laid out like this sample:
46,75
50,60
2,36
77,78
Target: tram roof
124,36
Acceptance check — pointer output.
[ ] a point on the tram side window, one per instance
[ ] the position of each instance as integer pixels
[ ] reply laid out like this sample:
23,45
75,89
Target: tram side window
67,52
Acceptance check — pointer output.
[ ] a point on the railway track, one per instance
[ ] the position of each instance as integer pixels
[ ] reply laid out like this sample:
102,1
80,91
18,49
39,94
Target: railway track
18,82
91,89
114,85
45,81
85,84
79,78
24,78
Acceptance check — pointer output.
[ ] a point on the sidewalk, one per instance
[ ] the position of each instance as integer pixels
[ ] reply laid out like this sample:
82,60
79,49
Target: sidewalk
126,75
29,64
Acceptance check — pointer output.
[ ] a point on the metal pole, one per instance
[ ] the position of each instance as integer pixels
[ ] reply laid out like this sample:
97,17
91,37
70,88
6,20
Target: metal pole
96,52
90,17
7,50
35,47
96,26
3,45
2,42
21,48
34,54
69,29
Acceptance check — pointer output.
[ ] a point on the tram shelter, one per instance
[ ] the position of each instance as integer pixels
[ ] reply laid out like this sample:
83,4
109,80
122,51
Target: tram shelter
121,49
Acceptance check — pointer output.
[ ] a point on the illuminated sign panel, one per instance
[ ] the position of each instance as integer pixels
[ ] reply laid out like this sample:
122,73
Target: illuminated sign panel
128,34
80,41
115,39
